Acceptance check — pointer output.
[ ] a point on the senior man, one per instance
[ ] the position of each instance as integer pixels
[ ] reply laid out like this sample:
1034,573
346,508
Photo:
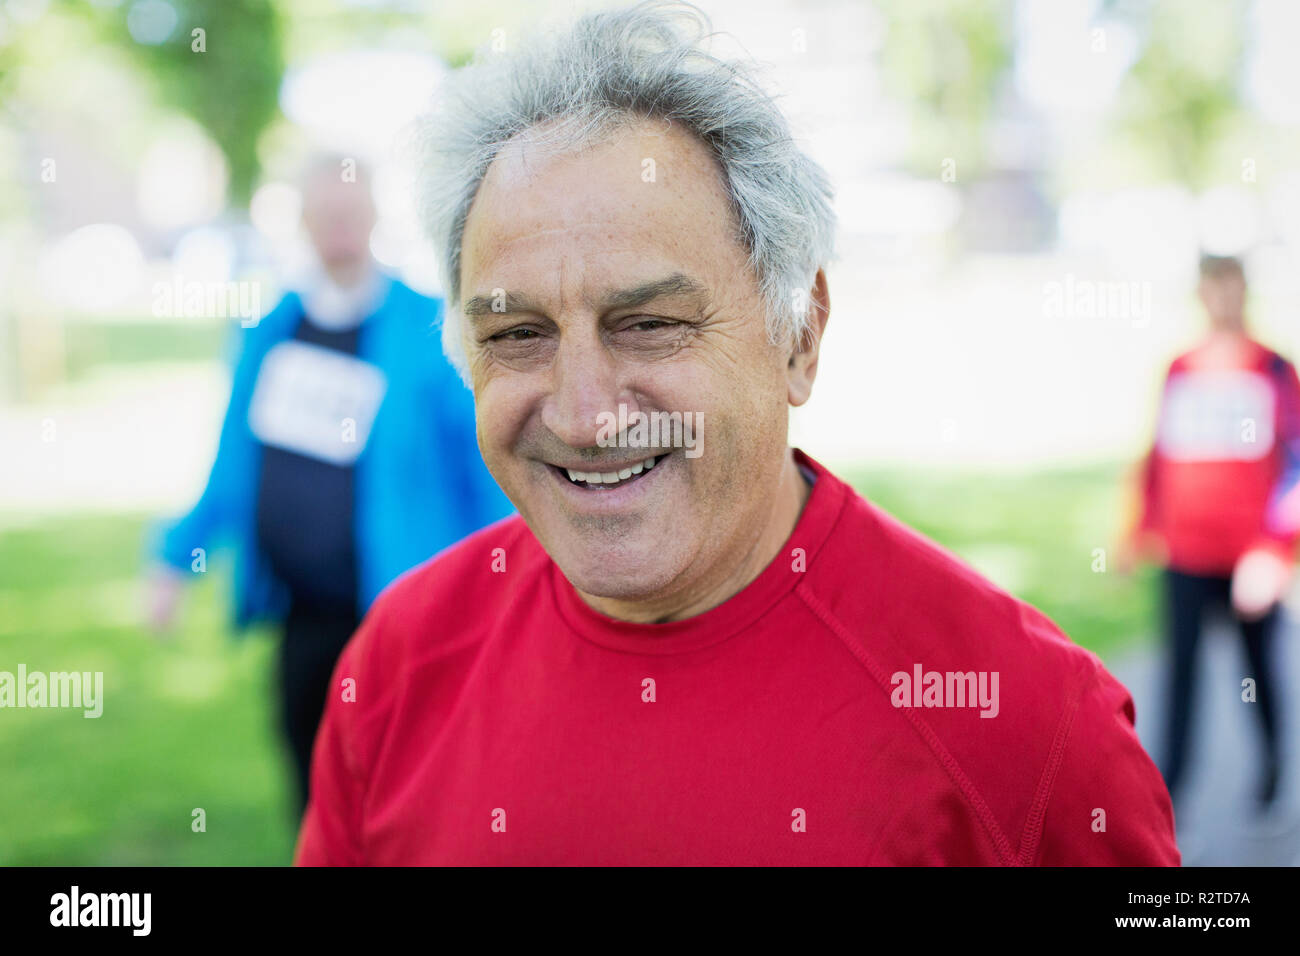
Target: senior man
722,657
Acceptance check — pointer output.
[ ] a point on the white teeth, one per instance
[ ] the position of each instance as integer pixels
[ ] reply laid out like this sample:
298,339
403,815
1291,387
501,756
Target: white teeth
611,477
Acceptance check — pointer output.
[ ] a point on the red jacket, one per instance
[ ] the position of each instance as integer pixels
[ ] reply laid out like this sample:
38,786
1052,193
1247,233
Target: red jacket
1223,474
867,699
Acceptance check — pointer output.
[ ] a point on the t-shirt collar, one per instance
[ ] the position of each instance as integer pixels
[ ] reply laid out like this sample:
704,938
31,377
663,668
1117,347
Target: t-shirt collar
333,307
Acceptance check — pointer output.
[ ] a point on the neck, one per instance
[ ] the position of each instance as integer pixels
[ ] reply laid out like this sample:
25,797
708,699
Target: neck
1228,327
777,525
348,275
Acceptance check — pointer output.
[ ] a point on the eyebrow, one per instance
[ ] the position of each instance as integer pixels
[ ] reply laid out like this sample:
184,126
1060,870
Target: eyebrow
678,283
514,302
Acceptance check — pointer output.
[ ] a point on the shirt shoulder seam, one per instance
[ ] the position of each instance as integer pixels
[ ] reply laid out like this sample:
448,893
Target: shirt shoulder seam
1032,836
969,792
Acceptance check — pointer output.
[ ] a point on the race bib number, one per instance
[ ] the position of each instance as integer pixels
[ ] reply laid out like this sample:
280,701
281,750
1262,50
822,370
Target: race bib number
316,402
1219,415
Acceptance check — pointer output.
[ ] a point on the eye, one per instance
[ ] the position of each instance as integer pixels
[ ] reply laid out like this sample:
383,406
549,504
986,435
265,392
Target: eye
651,324
514,335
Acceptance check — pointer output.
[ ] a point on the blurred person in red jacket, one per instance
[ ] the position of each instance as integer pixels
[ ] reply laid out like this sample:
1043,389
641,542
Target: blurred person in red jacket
1220,507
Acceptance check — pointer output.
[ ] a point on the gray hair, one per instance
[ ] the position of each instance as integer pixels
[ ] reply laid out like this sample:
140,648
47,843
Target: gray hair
647,61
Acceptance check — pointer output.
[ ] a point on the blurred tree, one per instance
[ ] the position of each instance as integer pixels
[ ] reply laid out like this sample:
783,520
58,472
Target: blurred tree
1183,93
946,60
221,64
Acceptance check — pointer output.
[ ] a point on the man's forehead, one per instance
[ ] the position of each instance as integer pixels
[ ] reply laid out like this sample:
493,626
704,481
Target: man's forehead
528,153
599,222
632,174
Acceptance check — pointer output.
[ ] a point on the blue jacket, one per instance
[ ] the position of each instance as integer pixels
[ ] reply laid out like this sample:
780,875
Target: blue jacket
420,482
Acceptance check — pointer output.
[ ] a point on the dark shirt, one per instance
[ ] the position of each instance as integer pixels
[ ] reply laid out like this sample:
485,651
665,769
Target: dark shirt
305,509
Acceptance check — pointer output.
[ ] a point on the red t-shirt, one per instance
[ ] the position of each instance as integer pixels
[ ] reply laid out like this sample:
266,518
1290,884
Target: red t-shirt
1223,475
498,719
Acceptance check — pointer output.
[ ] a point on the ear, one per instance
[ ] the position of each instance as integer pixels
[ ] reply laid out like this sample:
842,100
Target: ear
801,369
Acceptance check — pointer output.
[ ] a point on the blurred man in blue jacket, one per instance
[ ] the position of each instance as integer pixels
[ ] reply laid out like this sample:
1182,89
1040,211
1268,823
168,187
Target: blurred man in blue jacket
347,455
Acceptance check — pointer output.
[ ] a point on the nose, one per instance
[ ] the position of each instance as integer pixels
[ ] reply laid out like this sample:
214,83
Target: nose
586,384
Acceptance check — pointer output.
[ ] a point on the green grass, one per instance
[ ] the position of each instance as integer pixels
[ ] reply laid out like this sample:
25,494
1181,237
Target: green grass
186,724
190,723
89,345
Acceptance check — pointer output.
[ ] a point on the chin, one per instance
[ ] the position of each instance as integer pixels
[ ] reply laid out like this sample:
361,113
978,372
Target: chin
623,573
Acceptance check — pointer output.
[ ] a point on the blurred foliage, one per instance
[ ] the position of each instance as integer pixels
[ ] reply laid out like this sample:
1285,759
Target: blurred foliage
8,64
1182,95
231,86
227,77
946,61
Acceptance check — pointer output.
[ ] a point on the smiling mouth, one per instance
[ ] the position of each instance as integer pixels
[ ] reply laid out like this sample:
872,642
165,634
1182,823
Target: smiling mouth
609,480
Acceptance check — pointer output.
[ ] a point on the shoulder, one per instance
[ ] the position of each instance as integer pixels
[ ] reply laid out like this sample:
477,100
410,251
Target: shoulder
916,614
913,595
409,333
1276,363
275,326
1183,362
448,600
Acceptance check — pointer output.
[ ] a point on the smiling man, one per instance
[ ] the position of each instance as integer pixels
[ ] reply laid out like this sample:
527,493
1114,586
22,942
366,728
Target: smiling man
727,657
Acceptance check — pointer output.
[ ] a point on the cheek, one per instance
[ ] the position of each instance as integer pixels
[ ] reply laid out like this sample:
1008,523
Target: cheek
503,408
753,398
743,402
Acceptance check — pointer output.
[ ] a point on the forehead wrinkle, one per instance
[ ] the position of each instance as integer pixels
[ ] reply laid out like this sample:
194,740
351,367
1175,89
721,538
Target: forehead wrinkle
563,260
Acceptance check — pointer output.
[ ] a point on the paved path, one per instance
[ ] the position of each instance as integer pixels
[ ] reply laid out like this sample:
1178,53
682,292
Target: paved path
1216,824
